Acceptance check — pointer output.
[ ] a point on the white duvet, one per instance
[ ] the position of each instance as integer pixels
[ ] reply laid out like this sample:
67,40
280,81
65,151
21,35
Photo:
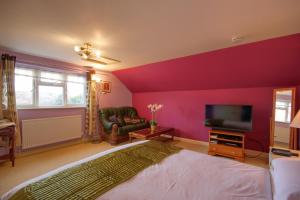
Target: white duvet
185,175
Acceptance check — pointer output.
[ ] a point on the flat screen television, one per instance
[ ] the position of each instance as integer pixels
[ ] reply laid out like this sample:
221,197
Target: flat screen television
229,117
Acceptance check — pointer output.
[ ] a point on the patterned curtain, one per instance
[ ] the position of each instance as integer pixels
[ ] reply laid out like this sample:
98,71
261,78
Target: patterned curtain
91,108
8,92
1,91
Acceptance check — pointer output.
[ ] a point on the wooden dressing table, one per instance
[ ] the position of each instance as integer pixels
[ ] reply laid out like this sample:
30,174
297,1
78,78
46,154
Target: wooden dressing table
7,130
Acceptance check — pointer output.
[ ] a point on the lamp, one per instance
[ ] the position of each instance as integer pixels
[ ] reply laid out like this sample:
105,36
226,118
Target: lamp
296,121
96,78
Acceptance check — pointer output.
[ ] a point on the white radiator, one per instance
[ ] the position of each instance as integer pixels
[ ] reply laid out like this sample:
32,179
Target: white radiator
39,132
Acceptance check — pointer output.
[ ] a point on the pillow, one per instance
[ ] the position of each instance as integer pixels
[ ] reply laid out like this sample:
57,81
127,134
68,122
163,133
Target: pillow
121,121
129,120
135,121
113,118
286,178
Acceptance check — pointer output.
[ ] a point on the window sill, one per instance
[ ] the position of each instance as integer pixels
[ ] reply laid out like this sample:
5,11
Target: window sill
280,122
49,107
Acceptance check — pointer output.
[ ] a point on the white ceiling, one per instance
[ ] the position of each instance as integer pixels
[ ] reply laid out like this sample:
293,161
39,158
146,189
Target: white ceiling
140,31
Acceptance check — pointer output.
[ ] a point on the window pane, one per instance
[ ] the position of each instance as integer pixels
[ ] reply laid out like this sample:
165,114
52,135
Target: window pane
280,115
51,96
289,113
281,104
50,77
76,79
50,88
24,90
27,72
76,94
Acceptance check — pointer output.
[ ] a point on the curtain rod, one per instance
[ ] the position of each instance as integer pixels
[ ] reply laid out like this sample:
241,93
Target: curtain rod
53,66
69,68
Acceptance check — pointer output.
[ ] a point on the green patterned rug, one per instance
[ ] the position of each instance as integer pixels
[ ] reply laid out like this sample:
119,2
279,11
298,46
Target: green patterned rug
92,179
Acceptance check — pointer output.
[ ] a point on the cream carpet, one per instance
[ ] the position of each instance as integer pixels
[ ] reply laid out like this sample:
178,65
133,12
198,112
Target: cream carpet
32,164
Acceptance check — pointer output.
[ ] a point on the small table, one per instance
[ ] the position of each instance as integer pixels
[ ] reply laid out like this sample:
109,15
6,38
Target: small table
148,134
273,156
7,129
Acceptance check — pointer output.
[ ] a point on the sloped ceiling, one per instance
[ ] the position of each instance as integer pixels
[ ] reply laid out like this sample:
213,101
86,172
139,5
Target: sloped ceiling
139,32
273,62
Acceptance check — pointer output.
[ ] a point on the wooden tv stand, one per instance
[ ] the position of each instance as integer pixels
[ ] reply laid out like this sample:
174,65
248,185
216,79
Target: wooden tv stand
228,144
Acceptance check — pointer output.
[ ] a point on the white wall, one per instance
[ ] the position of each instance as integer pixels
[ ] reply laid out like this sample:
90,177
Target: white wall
281,133
119,96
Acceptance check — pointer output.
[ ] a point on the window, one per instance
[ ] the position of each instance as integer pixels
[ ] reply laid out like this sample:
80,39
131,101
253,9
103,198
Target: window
41,88
24,87
75,89
51,95
283,111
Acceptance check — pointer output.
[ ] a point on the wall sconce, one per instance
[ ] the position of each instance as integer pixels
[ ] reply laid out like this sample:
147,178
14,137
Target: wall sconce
96,78
101,87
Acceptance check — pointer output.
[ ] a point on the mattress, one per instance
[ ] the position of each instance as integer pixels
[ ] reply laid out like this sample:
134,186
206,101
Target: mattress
184,175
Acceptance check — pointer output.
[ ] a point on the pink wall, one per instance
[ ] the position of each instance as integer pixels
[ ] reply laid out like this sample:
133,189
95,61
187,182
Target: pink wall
184,110
120,95
45,62
25,114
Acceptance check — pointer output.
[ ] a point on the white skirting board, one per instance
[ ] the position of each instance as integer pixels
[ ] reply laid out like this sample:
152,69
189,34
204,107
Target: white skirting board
44,131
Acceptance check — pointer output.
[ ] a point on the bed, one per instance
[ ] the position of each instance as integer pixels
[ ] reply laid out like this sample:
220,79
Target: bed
182,175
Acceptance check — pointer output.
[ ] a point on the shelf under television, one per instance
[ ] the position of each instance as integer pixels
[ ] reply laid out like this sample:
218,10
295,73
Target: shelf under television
231,133
226,140
218,146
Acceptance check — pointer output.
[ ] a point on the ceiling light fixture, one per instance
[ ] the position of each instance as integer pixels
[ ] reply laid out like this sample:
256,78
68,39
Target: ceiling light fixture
237,39
89,53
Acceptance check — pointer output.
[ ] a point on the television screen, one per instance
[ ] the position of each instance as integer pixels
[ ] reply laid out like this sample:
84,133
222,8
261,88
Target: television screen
229,117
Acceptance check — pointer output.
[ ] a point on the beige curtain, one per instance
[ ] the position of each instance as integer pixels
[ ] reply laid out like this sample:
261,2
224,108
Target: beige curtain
8,92
91,108
1,90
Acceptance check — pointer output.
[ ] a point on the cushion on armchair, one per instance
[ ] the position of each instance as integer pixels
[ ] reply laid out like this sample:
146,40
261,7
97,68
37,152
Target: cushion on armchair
117,120
129,120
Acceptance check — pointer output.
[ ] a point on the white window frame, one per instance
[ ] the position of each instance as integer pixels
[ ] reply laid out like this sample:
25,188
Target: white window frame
28,106
37,82
286,109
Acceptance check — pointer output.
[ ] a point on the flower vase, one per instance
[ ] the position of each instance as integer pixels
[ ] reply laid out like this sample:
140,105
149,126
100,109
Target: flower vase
152,127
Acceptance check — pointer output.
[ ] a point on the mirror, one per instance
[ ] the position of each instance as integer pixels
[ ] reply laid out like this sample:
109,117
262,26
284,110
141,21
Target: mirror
283,113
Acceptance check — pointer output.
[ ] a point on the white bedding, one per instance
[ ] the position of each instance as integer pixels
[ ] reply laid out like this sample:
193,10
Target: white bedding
185,175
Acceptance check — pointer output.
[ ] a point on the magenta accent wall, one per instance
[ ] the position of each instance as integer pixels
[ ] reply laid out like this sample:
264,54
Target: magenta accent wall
244,74
268,63
184,110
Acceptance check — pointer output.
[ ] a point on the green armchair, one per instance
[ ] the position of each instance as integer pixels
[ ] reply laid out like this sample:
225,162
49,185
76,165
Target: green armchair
118,122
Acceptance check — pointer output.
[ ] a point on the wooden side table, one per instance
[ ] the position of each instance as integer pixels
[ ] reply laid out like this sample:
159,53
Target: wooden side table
8,130
273,156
